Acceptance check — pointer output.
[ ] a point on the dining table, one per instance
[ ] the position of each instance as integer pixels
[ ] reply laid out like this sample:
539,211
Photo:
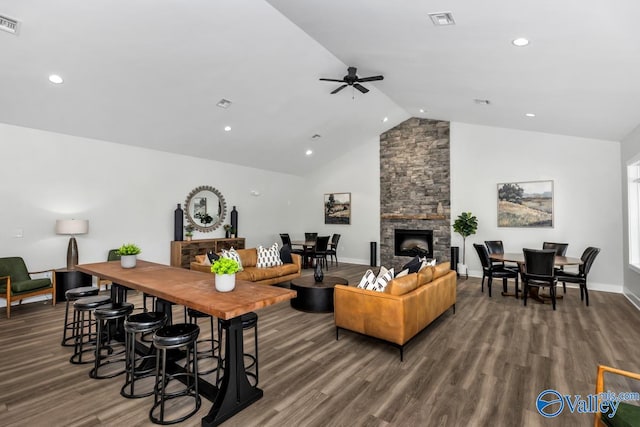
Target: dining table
518,258
308,247
196,290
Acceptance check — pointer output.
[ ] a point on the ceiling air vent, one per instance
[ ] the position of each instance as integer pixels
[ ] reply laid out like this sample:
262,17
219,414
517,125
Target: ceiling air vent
224,103
442,18
9,25
482,101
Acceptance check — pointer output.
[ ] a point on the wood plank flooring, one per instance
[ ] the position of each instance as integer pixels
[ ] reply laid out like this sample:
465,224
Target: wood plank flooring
482,366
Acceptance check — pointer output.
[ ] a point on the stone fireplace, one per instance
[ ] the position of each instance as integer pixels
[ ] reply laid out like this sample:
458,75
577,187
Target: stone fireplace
415,187
413,242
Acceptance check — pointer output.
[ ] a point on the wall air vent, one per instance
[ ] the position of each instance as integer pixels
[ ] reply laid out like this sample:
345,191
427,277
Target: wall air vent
9,25
442,18
482,101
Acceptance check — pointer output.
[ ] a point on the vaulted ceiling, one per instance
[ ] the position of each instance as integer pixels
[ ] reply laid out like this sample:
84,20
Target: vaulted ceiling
150,72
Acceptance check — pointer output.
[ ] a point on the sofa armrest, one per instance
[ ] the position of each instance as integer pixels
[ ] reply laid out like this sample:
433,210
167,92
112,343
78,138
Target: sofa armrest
297,260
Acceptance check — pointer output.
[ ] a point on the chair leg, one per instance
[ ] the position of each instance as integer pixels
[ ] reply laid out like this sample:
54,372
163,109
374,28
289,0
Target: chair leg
564,287
553,296
516,286
525,292
482,283
586,292
489,280
504,284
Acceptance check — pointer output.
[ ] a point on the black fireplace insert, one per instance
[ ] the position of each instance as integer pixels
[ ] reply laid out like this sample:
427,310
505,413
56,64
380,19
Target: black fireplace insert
413,242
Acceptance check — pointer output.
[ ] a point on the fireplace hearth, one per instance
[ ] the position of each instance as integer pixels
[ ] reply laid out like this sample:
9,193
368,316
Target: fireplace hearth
413,242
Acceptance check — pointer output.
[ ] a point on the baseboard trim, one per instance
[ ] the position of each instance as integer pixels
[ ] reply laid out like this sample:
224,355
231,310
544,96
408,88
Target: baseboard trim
593,286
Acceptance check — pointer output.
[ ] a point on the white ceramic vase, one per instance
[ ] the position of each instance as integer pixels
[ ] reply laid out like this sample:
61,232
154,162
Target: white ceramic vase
128,261
225,282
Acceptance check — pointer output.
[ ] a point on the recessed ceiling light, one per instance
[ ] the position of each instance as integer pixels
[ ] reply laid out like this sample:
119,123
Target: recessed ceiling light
227,128
224,103
422,110
54,78
530,115
308,152
386,119
520,42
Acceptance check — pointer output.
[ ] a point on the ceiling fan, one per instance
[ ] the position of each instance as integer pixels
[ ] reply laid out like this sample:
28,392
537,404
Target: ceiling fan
351,79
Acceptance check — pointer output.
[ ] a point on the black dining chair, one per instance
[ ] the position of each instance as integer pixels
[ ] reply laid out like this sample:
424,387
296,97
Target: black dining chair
320,251
496,247
561,250
310,237
492,271
538,272
286,240
588,256
332,250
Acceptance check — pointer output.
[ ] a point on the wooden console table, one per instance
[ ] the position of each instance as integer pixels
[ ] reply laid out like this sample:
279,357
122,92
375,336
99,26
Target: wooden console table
183,252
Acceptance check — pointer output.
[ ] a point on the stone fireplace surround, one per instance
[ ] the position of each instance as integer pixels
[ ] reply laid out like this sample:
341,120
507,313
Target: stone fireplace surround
415,189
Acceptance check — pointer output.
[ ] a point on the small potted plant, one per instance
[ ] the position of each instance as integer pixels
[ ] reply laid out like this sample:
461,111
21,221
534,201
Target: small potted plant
188,232
466,224
128,254
228,230
225,270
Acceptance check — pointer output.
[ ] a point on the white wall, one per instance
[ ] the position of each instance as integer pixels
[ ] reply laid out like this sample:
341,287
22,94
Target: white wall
356,172
128,194
630,148
587,193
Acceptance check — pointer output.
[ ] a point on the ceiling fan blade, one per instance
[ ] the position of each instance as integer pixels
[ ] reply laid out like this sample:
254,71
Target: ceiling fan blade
371,79
351,72
332,80
338,89
361,88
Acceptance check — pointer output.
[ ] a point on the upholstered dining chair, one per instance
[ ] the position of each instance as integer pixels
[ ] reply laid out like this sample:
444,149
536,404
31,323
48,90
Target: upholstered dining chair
588,256
310,237
538,272
320,251
16,282
492,271
332,250
111,256
286,240
496,247
561,250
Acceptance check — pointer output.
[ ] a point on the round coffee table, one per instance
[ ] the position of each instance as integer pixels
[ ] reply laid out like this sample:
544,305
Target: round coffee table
315,297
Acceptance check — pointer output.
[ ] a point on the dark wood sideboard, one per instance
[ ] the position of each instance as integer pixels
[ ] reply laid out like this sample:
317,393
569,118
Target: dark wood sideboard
183,252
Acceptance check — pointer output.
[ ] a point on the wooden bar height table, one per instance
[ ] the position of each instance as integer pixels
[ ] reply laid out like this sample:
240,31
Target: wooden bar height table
196,290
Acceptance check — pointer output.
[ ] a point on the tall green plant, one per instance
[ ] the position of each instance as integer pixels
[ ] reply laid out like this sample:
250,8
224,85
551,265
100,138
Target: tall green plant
466,224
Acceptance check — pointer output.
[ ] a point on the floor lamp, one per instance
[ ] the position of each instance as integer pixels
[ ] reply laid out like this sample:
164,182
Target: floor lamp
72,227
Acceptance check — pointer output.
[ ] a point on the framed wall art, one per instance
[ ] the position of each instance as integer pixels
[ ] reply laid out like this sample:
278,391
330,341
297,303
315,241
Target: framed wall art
525,204
337,208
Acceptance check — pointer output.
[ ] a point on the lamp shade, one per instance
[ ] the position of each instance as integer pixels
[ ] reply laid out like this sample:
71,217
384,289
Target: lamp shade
72,226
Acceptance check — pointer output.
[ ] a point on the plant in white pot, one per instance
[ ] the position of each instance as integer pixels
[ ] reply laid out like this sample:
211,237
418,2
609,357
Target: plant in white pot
466,224
225,270
128,255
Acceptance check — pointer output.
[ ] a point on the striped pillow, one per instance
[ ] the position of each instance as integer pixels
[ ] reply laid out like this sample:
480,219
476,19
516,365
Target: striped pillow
368,281
384,277
232,254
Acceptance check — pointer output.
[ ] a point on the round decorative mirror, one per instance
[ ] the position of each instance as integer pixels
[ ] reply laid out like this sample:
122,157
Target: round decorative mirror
205,208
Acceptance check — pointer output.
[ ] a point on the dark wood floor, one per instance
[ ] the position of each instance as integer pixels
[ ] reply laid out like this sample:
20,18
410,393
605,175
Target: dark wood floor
483,366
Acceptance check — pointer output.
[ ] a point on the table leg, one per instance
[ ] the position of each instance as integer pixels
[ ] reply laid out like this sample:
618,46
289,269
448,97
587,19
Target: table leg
236,393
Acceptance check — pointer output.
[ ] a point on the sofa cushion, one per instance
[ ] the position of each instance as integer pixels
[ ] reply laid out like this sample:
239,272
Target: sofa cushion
268,257
249,257
403,273
441,269
425,276
234,255
402,285
256,274
23,286
212,256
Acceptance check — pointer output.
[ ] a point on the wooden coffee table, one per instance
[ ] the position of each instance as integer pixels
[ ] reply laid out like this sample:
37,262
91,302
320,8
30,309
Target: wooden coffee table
315,297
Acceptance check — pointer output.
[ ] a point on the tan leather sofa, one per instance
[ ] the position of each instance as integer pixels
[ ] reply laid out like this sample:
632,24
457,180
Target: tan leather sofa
405,308
251,273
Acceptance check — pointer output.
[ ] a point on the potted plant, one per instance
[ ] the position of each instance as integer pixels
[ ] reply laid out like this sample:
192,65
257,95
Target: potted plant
225,270
229,231
466,224
128,254
188,232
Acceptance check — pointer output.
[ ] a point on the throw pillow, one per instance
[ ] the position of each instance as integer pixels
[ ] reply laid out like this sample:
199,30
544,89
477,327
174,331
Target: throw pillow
285,254
206,260
368,281
232,254
212,256
268,257
384,277
414,265
402,273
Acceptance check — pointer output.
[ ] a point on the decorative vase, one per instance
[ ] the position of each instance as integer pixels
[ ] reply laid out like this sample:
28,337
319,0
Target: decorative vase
178,218
317,273
234,220
188,238
128,261
225,282
227,234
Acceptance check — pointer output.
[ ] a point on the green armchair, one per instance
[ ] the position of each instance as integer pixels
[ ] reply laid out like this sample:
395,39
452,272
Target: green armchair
17,284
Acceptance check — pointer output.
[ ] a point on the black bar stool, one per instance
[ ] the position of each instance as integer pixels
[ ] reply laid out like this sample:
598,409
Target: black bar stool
107,319
73,295
167,338
205,353
249,320
84,336
138,367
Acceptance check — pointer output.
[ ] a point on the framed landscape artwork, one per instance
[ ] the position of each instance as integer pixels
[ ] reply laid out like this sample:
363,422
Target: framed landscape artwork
525,204
337,208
